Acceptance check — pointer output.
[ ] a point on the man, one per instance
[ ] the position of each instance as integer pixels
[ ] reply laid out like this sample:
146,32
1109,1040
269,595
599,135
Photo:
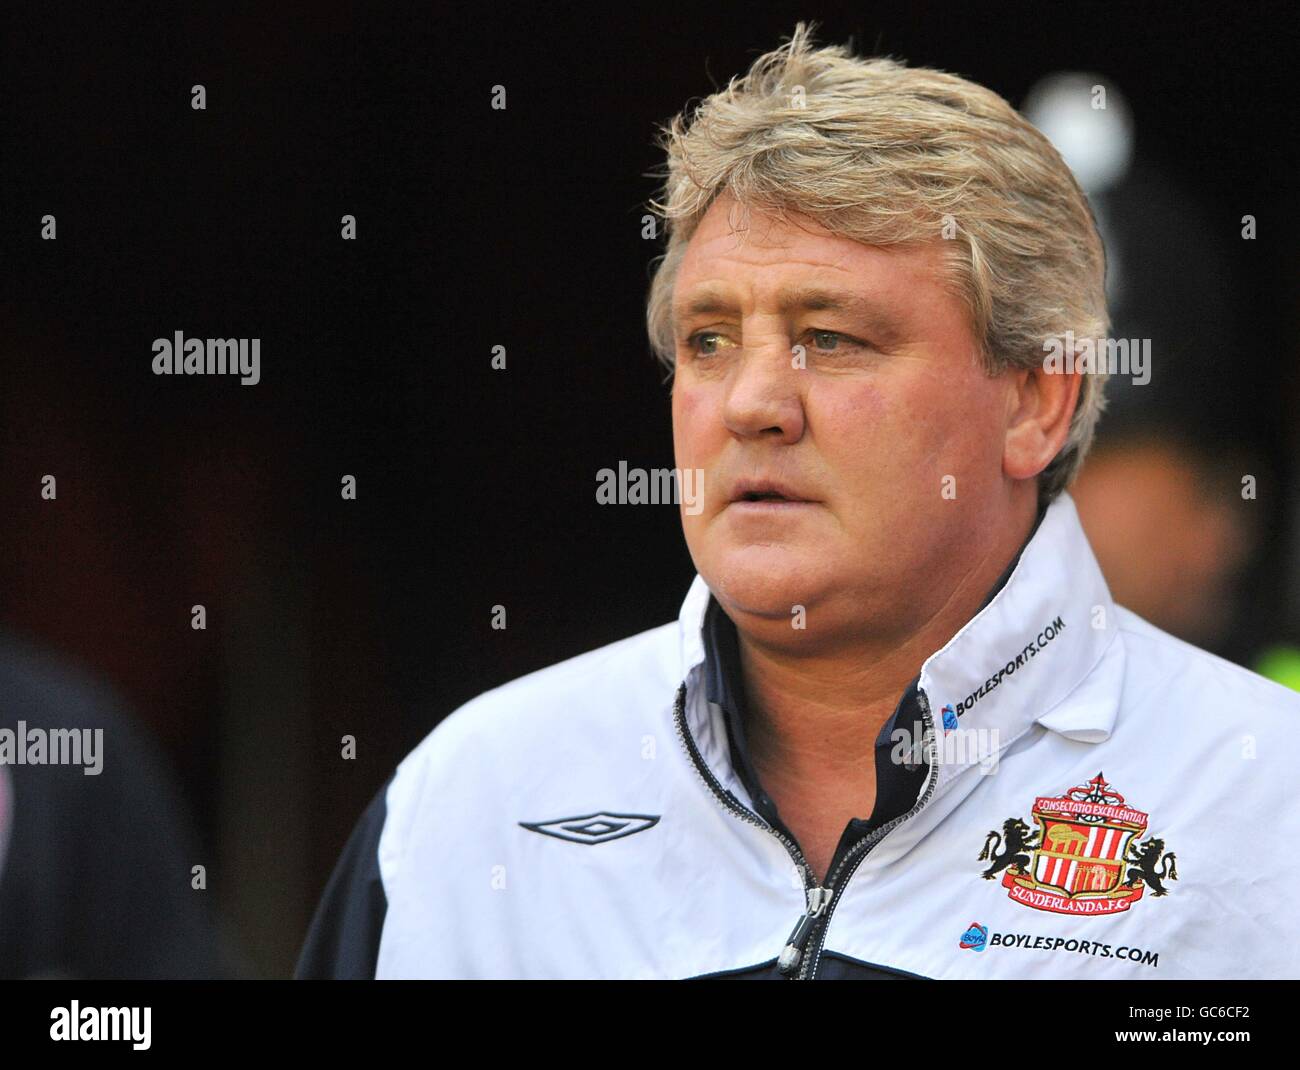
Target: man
899,729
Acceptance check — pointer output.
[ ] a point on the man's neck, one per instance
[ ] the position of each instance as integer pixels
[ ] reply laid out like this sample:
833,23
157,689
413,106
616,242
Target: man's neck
814,716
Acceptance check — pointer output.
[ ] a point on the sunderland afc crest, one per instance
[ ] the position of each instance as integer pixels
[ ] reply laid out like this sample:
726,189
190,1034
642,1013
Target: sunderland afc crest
1087,856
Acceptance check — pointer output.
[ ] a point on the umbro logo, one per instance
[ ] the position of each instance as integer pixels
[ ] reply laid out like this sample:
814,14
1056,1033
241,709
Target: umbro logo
594,828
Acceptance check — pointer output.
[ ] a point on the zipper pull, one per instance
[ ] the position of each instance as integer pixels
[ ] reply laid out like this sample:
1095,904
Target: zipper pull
793,951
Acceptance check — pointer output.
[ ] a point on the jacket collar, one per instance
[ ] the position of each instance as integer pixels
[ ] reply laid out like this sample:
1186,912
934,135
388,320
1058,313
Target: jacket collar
1022,659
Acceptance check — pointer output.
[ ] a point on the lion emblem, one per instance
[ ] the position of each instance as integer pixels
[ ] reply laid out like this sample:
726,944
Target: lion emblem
1148,862
1013,843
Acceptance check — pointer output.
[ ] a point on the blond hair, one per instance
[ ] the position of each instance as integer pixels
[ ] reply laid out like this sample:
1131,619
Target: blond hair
887,154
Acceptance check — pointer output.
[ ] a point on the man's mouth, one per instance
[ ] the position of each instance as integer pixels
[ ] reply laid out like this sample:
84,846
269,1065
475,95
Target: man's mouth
765,492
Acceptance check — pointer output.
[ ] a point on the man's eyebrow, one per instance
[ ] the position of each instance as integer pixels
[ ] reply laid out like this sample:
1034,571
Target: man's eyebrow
710,301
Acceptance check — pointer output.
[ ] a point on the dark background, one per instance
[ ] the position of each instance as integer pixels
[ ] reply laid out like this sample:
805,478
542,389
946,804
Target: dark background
475,228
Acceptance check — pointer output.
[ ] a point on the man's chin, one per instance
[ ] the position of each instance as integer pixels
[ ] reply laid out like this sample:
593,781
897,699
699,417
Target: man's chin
764,581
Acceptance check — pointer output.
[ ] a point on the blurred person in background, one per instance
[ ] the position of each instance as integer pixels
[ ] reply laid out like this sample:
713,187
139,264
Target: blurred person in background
1175,529
1170,529
96,873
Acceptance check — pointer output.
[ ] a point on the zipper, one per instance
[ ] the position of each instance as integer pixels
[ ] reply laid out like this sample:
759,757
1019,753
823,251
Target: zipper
816,896
821,899
863,847
797,943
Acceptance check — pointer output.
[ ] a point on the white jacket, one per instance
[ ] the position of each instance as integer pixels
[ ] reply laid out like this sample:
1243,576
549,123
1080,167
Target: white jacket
1131,817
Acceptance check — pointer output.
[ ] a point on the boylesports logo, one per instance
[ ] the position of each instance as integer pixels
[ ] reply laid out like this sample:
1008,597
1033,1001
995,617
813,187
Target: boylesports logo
978,938
1086,858
1030,650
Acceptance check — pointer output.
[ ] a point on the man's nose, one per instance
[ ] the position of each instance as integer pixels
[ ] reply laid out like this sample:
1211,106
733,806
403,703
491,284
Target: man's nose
764,393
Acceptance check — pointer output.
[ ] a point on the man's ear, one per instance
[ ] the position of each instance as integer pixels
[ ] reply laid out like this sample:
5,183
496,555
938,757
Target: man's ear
1040,409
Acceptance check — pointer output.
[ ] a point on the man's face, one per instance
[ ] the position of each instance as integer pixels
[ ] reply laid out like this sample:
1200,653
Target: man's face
885,447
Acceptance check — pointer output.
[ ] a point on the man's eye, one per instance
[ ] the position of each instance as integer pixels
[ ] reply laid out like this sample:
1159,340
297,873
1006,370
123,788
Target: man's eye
826,339
706,343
